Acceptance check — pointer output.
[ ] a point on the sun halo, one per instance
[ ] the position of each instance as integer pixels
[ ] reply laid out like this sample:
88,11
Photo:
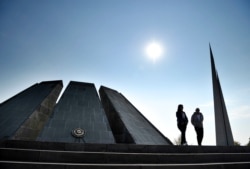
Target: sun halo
154,51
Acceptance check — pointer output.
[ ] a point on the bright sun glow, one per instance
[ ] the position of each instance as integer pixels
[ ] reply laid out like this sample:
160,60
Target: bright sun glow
154,51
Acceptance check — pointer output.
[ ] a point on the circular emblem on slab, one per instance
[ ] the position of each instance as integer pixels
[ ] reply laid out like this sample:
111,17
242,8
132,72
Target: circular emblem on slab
78,132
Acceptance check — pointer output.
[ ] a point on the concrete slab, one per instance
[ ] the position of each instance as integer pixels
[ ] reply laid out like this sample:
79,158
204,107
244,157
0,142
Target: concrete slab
127,123
79,107
26,113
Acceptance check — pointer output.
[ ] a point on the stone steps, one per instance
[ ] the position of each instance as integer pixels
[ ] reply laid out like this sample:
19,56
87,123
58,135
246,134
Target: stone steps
38,165
28,154
126,148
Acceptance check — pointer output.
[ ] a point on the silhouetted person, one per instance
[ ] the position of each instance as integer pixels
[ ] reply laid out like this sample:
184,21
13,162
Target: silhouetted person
197,121
182,122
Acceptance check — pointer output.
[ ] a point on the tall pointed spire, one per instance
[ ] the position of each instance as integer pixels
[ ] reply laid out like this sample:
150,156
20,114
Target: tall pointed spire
224,136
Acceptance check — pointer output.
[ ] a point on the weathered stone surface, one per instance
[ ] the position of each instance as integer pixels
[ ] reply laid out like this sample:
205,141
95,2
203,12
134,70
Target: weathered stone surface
24,115
127,123
79,107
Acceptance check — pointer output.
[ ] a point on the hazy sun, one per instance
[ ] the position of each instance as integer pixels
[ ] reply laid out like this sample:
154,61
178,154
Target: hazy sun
154,50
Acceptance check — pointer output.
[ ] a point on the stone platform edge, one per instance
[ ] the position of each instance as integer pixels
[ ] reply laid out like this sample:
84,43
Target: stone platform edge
126,148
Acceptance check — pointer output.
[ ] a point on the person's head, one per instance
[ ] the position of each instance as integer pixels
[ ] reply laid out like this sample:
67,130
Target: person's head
180,107
197,110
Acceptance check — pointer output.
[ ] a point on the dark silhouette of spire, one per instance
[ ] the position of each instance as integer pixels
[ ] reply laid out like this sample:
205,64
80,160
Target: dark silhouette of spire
223,130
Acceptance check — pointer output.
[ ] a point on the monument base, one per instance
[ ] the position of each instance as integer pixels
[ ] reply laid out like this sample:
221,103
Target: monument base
31,154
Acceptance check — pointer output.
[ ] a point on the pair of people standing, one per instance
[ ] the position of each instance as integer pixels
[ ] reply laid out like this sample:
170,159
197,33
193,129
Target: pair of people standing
182,121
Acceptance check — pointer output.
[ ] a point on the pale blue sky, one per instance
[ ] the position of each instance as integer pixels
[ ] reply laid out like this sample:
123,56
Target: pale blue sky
103,42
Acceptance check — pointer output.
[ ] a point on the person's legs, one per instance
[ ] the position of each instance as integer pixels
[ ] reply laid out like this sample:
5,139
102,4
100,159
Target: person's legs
184,134
199,132
182,128
200,135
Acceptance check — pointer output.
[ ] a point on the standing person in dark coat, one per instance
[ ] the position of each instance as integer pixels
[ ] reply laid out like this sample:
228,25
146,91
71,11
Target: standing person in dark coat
197,121
182,122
